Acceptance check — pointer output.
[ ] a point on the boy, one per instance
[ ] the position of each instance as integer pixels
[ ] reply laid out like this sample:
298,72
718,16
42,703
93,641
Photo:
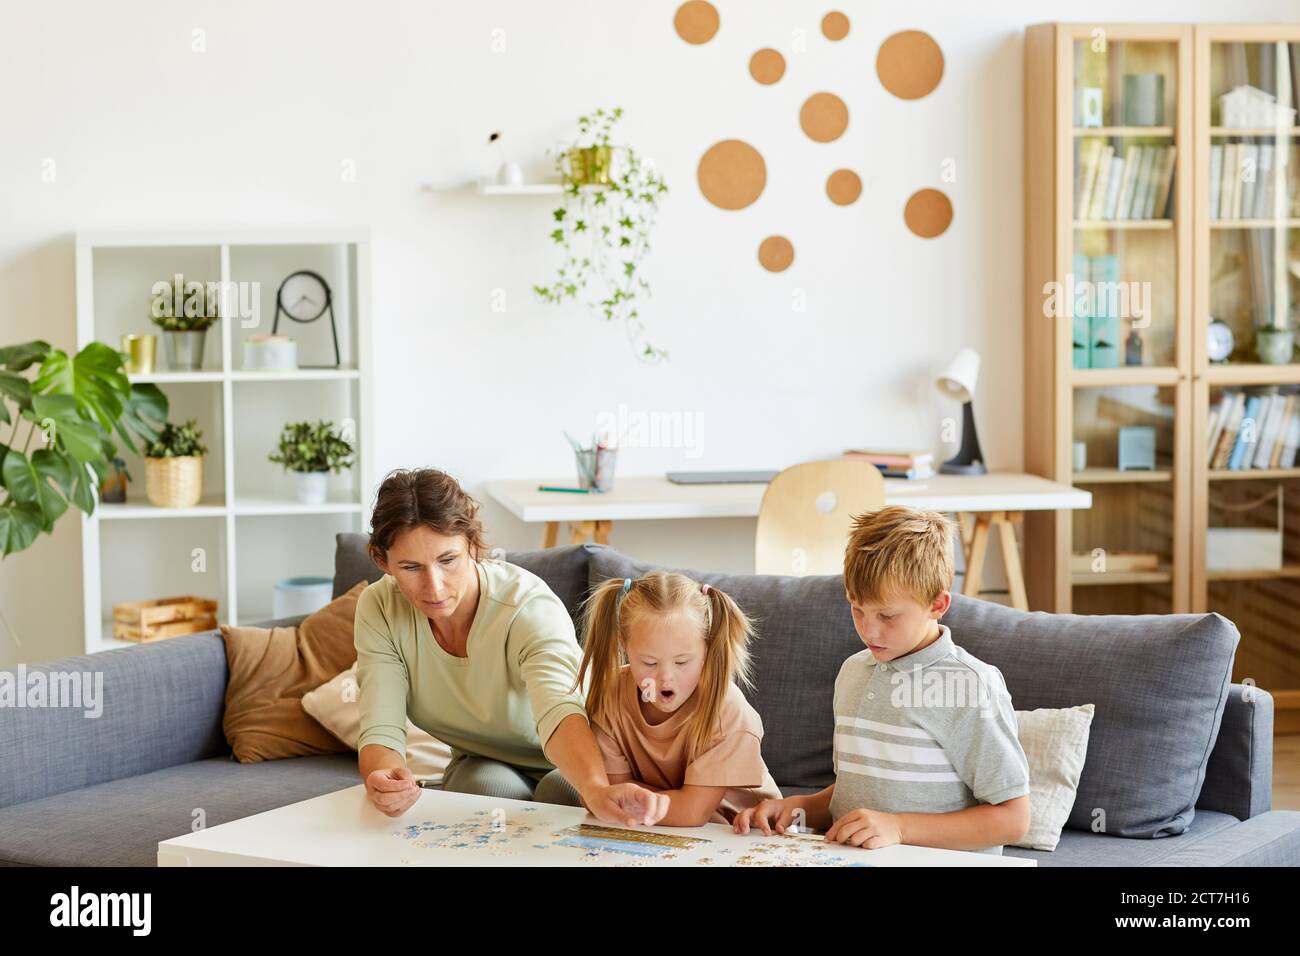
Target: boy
925,748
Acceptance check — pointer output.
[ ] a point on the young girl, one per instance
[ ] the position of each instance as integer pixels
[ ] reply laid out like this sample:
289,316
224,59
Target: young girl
660,654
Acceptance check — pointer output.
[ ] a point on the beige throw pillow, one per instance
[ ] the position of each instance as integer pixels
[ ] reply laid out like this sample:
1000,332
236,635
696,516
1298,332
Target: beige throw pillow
335,707
1055,743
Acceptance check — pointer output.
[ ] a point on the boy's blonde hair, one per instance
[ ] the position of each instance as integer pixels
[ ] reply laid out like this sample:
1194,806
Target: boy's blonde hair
610,611
899,550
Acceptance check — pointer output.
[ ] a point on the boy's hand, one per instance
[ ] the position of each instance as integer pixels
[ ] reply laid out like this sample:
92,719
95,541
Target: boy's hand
866,828
766,815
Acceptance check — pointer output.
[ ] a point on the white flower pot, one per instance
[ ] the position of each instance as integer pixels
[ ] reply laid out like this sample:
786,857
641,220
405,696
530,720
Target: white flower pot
311,486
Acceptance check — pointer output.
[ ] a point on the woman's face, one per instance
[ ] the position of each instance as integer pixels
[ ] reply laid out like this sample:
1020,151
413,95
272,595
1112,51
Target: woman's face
434,571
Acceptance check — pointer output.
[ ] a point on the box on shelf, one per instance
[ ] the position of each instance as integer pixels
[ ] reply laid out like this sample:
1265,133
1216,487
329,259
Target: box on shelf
162,618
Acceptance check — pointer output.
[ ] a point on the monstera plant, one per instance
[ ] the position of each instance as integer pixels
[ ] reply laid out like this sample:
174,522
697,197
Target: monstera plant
60,425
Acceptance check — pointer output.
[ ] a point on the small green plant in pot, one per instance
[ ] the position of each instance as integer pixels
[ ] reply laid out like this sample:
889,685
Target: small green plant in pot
173,466
311,452
184,311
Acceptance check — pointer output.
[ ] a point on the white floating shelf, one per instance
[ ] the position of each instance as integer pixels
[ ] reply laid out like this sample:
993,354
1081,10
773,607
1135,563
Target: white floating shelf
270,505
297,374
211,506
171,378
485,188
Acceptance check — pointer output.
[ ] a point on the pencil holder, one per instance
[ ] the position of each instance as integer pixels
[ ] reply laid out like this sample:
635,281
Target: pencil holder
596,468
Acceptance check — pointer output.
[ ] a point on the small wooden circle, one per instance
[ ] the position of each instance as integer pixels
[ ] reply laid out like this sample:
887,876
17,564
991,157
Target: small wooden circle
910,64
824,117
928,213
767,66
835,25
732,174
775,253
696,21
843,186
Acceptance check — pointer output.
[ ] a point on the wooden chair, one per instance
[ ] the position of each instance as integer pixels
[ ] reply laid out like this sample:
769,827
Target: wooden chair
806,513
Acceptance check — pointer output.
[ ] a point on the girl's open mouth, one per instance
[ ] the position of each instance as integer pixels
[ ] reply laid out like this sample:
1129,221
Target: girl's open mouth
666,694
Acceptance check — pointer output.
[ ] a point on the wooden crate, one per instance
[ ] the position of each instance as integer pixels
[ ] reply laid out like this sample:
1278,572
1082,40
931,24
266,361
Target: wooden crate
162,618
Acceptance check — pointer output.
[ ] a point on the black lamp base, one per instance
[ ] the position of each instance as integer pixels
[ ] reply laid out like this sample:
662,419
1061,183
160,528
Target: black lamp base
969,460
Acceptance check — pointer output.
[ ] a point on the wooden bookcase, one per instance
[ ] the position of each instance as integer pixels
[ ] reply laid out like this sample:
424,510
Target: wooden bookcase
1244,271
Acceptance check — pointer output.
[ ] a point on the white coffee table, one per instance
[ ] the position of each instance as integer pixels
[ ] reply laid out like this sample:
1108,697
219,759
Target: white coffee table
456,829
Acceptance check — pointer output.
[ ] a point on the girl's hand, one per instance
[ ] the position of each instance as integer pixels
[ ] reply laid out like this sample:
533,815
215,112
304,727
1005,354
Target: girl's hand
867,828
393,791
769,814
626,803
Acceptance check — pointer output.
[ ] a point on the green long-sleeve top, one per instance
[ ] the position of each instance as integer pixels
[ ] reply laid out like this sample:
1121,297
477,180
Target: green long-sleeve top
502,701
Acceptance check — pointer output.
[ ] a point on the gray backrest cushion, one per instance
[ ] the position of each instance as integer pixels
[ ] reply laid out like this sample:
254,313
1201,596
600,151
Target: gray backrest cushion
161,706
563,569
1158,684
1239,776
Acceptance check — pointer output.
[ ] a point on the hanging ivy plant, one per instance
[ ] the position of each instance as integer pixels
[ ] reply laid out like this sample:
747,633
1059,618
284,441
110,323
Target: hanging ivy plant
611,200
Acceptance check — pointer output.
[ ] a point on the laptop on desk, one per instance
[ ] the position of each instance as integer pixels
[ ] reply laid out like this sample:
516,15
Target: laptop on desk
721,477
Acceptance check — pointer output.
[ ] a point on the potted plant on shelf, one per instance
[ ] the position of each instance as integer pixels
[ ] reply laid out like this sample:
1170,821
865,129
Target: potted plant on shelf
611,200
184,311
1275,343
311,452
61,425
173,466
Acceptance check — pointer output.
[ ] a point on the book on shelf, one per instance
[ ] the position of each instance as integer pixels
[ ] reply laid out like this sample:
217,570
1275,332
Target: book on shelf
1248,431
1245,180
1110,187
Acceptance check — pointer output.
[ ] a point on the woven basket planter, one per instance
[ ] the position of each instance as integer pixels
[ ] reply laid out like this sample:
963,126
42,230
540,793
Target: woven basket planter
174,482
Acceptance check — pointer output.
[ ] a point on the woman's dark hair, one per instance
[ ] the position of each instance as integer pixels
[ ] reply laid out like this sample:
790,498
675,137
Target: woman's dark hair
424,498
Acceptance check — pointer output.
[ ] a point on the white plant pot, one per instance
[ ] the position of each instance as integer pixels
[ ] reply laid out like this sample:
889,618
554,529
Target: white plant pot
312,486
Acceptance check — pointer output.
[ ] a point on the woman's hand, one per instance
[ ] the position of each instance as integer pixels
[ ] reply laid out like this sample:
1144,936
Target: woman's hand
626,803
393,790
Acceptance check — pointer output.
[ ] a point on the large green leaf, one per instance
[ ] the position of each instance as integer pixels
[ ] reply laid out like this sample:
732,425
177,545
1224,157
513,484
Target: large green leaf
143,414
15,388
30,485
19,526
94,379
18,357
84,487
80,438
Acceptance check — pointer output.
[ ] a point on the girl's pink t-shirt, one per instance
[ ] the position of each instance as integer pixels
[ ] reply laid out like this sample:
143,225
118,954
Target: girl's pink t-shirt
655,754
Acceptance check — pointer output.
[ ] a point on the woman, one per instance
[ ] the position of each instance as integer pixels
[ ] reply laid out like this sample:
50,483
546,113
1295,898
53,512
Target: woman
480,654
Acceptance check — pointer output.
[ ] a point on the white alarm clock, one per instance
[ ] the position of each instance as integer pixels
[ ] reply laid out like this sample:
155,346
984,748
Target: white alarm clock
1219,343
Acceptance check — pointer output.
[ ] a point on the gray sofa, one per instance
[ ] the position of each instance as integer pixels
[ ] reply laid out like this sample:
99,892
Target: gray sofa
1178,772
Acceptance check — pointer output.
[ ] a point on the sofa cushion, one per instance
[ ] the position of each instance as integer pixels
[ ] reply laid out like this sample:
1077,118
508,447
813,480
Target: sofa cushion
1084,848
563,569
120,823
1158,682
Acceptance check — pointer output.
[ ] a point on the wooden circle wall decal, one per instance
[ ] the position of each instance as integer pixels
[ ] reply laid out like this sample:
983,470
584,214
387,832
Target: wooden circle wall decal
843,186
696,21
767,66
775,253
910,64
732,174
928,213
824,117
835,25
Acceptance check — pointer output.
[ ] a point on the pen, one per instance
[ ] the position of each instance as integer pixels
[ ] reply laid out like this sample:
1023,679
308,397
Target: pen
576,491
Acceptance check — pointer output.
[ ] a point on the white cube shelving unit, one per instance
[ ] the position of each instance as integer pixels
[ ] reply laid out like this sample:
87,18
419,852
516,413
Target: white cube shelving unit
249,530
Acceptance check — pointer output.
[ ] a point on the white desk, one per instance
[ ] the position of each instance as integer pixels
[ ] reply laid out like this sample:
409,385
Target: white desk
986,503
457,829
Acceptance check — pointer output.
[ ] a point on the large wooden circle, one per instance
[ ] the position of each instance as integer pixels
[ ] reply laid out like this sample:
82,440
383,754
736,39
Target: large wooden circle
928,213
843,186
910,64
824,117
835,25
767,66
696,21
775,253
732,174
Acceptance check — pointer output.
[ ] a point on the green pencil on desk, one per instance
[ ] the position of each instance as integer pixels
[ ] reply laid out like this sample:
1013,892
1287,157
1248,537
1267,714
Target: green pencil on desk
575,491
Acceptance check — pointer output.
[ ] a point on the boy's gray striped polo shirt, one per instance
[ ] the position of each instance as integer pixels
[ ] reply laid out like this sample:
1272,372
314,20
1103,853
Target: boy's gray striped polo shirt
930,732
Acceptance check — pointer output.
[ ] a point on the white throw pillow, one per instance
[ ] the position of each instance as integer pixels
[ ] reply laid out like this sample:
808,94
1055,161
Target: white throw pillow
334,706
1055,743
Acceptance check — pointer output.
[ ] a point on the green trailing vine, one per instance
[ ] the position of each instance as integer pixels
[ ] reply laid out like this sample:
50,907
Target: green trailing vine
604,231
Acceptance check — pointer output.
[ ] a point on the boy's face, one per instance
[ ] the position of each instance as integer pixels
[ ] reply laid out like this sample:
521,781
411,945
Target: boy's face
899,624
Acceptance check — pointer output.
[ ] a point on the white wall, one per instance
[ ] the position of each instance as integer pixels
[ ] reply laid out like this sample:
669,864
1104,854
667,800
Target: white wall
145,133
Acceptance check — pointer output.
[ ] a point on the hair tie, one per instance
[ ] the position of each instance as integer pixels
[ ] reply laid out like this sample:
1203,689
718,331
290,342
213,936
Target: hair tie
627,585
704,589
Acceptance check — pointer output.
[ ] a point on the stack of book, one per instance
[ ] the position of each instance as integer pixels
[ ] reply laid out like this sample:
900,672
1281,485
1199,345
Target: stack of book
897,464
1244,181
1254,431
1108,186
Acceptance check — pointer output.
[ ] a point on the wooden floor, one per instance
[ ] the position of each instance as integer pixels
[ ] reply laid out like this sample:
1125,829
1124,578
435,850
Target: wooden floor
1286,772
